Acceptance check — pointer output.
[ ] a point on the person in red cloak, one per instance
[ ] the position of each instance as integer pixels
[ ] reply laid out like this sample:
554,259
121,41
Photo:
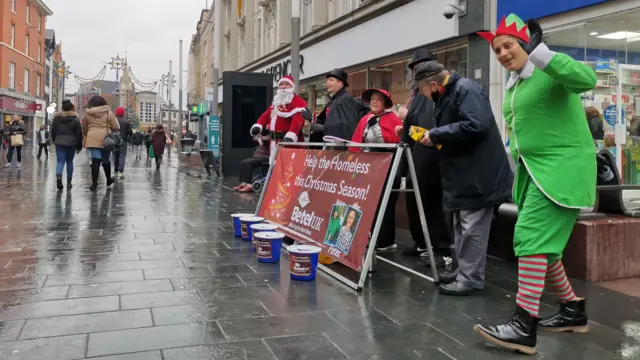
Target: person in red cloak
283,118
379,127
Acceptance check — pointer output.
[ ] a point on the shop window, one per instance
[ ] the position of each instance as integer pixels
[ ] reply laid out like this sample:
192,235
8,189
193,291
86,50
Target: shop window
455,60
392,77
12,76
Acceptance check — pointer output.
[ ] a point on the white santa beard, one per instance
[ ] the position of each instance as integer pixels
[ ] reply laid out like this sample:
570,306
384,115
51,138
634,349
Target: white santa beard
283,96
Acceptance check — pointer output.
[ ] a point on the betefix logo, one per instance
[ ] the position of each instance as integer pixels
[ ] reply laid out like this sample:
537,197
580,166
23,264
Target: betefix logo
304,218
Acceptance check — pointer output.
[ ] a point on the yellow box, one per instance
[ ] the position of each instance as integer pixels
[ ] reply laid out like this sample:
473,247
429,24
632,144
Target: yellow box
417,133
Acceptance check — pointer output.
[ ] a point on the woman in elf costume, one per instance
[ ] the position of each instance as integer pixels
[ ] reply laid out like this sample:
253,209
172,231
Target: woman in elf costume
555,176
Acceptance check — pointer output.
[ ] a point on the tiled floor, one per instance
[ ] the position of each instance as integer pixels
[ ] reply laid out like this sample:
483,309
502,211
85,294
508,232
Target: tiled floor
149,271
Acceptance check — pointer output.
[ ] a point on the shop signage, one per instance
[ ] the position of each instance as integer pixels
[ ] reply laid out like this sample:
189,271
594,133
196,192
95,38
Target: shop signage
13,104
610,115
193,117
214,136
540,8
283,69
326,198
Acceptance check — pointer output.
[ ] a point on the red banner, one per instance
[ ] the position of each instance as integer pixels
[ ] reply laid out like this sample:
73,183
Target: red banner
328,198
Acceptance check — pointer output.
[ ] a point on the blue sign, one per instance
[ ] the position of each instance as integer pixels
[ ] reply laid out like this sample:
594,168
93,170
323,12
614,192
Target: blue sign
611,115
540,8
606,65
214,135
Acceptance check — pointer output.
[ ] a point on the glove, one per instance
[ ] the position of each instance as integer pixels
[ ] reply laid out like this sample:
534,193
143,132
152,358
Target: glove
255,130
287,140
535,35
317,128
373,121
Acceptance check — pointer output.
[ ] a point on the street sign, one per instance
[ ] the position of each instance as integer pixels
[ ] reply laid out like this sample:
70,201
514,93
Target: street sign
214,136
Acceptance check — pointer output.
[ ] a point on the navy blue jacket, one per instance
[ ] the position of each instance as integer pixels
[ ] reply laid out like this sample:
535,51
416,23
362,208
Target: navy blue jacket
473,161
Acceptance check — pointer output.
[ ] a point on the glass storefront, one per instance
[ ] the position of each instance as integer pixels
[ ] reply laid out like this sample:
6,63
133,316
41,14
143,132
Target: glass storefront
395,77
611,46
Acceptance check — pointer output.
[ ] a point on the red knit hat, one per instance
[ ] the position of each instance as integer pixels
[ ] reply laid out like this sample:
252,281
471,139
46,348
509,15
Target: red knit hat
120,111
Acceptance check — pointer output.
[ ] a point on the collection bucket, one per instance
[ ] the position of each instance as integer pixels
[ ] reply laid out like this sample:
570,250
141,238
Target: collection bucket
303,262
237,231
268,245
261,227
245,226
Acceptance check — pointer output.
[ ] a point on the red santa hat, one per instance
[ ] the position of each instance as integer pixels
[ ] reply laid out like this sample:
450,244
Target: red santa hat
287,79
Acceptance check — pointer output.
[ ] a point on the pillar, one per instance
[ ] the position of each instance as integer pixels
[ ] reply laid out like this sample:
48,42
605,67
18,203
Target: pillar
283,19
319,13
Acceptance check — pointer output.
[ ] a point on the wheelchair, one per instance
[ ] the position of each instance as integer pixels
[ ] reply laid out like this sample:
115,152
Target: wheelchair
258,181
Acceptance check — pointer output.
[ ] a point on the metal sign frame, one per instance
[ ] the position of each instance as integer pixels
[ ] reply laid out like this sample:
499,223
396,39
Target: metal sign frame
368,265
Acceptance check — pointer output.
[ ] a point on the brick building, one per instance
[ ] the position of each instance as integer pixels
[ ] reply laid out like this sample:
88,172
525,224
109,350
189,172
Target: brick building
22,57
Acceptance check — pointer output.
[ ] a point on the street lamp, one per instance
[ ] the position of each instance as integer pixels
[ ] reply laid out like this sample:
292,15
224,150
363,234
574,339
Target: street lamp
295,42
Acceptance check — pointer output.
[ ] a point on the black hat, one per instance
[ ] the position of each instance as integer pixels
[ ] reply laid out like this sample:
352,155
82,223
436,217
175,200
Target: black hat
339,74
427,69
420,55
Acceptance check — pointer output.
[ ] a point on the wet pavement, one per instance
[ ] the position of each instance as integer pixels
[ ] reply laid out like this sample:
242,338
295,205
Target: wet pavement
149,270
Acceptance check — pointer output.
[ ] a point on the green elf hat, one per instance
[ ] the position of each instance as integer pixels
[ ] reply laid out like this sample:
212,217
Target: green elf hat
510,25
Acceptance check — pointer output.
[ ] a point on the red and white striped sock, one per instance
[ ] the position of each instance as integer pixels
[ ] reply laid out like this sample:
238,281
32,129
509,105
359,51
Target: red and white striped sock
559,283
531,276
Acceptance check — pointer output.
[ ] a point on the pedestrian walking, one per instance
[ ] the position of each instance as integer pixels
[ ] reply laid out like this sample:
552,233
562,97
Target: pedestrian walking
138,140
120,153
17,132
43,137
556,176
99,121
474,169
66,134
158,142
147,140
419,111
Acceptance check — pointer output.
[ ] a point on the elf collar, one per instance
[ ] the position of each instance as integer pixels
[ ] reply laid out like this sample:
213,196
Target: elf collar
525,73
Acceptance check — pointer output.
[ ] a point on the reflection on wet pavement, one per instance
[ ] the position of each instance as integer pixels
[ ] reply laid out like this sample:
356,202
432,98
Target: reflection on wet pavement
149,270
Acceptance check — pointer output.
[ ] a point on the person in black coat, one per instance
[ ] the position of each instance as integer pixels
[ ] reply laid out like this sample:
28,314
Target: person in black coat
475,171
43,138
66,134
419,112
341,115
16,134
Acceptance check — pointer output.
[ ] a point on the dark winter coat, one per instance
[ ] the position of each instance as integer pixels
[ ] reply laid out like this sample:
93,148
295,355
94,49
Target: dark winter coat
46,136
340,117
66,130
474,167
138,139
17,128
158,141
125,129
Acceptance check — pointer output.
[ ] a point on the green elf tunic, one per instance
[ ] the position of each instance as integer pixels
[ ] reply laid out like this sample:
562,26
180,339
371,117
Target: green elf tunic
552,146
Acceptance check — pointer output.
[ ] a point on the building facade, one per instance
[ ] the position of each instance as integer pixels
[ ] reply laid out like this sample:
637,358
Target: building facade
362,37
147,108
22,58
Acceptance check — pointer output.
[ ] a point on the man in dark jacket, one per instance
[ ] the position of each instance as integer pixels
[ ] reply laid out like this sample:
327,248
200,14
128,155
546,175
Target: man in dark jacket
475,171
120,154
420,113
341,115
43,140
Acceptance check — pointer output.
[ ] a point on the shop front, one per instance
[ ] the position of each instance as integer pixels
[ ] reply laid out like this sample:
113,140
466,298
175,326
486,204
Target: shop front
381,57
606,36
21,106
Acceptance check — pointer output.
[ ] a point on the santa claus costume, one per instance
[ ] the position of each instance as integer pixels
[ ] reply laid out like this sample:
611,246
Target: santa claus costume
283,118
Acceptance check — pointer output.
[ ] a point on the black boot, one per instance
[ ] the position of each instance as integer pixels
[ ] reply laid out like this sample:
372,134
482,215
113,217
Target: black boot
69,186
107,172
518,333
59,182
95,171
572,316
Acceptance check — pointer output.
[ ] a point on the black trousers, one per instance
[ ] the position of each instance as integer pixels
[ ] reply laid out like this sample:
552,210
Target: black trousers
18,150
431,196
247,166
387,235
45,147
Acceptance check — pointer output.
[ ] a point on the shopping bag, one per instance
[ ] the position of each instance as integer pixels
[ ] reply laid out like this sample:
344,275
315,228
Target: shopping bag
17,140
152,154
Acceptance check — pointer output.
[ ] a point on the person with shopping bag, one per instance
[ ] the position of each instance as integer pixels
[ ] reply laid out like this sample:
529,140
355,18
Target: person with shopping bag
99,126
17,132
